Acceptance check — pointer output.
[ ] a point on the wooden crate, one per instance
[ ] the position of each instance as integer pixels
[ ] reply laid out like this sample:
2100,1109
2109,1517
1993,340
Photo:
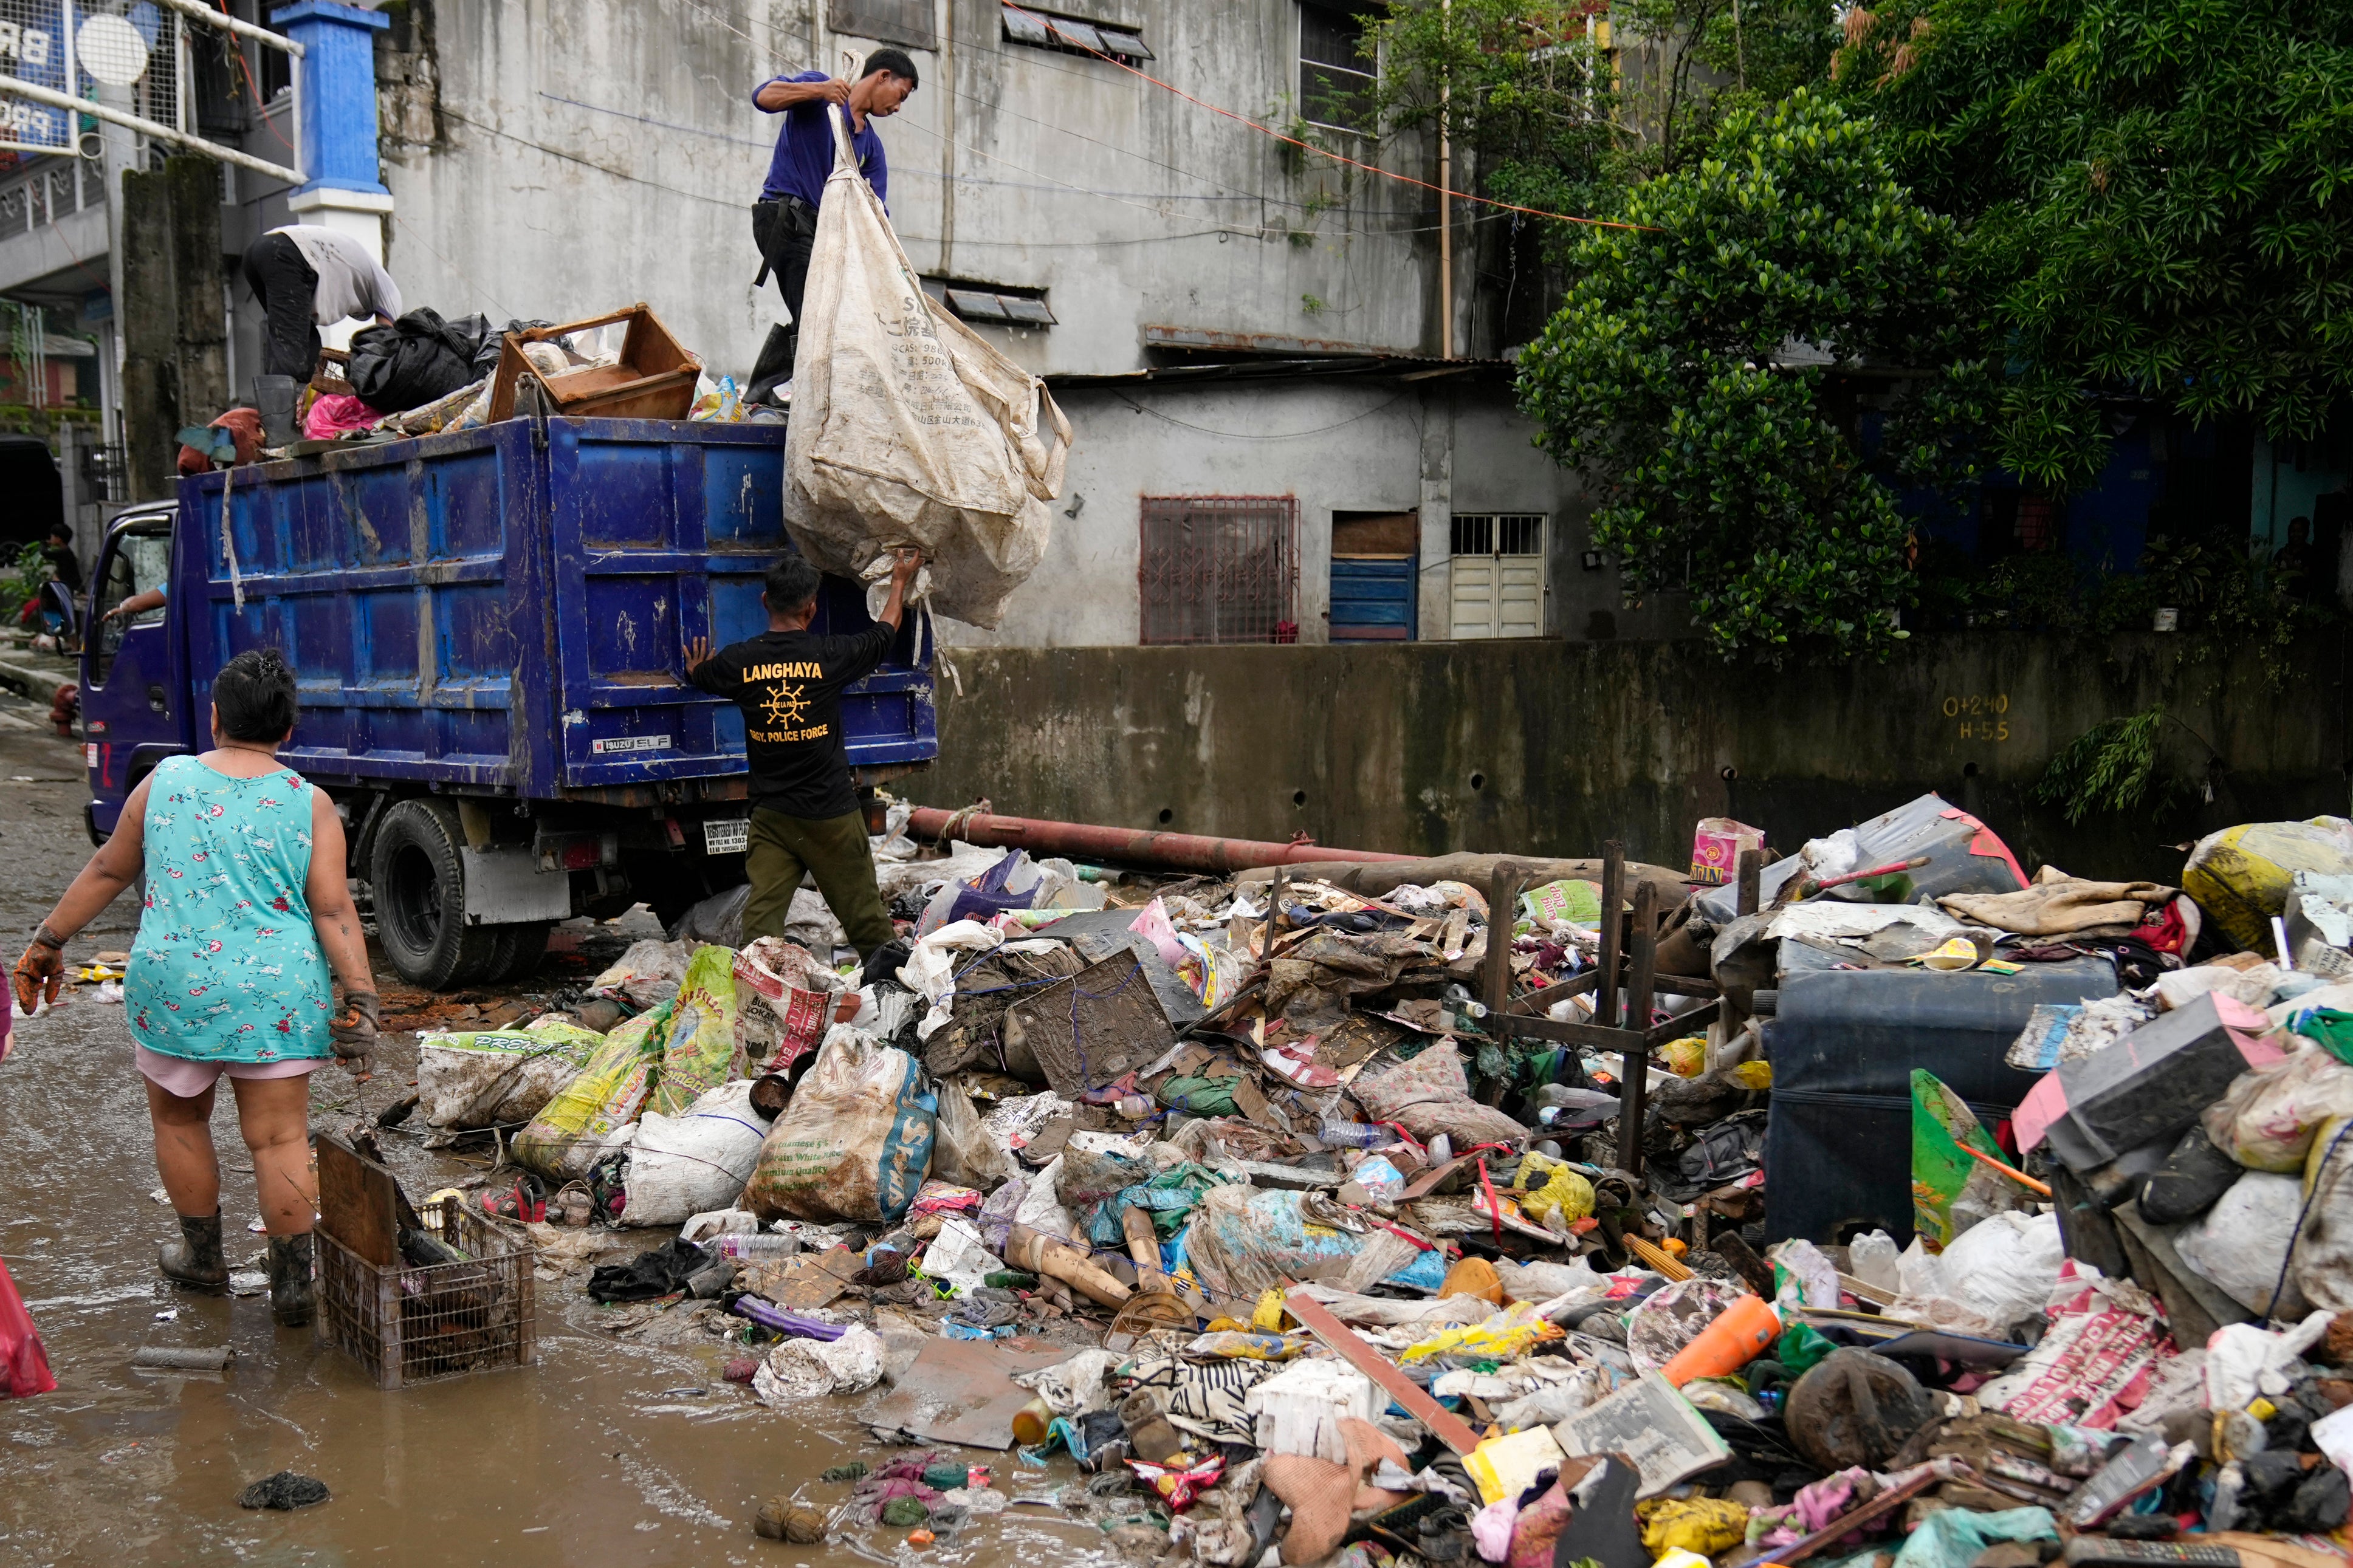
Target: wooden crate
654,379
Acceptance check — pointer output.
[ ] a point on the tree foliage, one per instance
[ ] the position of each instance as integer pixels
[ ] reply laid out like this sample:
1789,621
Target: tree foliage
2157,198
1517,86
1685,378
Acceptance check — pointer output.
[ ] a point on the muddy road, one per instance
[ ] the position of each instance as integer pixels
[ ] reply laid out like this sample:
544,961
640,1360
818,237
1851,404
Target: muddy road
616,1448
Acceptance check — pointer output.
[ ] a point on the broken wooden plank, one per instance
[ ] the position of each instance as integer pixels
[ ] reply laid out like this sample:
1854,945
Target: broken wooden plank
1447,1428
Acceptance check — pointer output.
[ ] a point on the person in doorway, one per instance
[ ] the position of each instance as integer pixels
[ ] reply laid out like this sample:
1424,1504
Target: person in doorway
805,815
784,222
62,560
2294,560
306,277
246,908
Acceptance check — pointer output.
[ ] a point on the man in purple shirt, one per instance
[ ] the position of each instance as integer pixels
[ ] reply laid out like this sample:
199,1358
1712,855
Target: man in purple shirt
784,222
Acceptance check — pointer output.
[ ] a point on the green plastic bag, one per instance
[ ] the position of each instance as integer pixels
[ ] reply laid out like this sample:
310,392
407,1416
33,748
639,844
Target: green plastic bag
2328,1028
1801,1349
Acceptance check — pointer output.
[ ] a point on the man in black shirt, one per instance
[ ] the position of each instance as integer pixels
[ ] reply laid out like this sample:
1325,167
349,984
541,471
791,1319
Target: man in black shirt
805,815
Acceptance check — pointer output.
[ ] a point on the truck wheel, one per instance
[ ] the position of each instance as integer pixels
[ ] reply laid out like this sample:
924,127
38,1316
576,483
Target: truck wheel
521,947
419,882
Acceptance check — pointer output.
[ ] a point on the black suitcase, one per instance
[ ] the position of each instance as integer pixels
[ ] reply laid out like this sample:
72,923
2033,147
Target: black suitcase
1837,1148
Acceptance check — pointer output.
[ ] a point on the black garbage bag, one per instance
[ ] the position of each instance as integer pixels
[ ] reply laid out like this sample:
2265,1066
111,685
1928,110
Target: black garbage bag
664,1271
486,357
417,359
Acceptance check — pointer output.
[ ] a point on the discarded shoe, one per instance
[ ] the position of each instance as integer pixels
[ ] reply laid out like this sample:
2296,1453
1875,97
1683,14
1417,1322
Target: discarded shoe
293,1297
283,1490
195,1259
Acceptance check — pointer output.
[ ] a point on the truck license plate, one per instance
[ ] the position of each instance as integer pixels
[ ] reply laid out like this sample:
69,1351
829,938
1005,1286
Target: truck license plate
730,837
605,745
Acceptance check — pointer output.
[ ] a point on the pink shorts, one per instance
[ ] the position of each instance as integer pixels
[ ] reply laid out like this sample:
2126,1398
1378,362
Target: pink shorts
187,1080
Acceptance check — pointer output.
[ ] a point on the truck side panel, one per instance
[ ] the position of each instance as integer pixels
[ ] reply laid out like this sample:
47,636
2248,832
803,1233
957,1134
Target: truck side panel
508,607
404,584
659,541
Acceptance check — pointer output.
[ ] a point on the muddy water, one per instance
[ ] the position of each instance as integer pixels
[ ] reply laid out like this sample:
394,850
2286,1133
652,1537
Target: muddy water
604,1452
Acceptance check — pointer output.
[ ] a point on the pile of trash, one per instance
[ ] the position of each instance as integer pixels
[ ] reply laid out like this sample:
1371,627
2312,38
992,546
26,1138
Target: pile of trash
1979,1218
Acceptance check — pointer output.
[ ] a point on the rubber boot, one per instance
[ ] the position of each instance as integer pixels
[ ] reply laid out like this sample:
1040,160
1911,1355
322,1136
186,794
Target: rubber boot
291,1295
195,1258
774,368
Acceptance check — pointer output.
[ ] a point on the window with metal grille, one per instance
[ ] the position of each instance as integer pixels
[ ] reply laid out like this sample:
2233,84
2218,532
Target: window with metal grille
1220,569
1335,79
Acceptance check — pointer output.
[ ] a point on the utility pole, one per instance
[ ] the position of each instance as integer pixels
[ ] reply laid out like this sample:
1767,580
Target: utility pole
1445,186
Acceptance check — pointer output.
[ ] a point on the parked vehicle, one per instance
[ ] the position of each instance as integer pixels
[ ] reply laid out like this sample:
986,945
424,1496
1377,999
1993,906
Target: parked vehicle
488,627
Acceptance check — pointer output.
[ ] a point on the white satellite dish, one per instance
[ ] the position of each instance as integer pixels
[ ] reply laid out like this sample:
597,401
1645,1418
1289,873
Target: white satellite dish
111,50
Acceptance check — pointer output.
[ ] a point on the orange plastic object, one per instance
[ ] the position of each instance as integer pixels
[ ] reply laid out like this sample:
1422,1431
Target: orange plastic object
1736,1338
919,1537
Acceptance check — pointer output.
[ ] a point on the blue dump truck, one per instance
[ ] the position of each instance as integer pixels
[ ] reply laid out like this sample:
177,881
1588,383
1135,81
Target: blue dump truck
489,626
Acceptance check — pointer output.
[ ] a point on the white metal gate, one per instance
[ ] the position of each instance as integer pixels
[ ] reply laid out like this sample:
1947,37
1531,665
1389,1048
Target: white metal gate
1498,575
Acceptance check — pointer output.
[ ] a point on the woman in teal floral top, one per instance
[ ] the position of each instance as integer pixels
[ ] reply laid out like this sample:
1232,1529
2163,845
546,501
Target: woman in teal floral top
246,907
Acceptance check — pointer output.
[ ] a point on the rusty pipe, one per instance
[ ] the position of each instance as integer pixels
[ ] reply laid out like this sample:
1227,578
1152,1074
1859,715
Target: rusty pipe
1125,846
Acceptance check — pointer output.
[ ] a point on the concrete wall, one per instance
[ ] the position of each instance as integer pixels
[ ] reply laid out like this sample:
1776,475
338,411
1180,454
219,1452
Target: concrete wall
554,158
1335,444
1551,747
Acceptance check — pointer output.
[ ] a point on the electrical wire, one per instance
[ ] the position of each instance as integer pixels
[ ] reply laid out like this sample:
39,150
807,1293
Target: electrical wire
1031,58
261,108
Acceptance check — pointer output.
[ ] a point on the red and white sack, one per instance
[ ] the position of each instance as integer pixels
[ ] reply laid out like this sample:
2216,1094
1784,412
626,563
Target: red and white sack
785,1002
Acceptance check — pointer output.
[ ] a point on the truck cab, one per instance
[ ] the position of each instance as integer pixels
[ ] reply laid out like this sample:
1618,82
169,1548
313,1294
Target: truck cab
129,678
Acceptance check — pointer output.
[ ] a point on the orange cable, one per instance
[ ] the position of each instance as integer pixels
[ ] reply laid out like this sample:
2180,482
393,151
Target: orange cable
1311,147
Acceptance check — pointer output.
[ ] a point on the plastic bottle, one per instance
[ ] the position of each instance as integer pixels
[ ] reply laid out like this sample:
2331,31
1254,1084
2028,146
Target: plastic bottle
1030,1422
756,1246
1339,1133
1740,1333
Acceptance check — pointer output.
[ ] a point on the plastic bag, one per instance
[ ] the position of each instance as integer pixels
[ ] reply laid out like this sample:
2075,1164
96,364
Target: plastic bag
784,1004
2241,876
2266,1119
498,1077
856,1141
24,1363
964,1153
1997,1273
589,1115
908,428
647,976
2324,1252
687,1165
806,1369
2242,1243
1549,1188
699,1045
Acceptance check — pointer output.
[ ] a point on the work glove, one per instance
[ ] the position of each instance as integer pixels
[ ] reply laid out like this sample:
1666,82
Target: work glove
40,973
354,1028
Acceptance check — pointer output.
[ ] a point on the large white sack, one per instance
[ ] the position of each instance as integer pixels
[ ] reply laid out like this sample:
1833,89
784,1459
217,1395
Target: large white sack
685,1165
2240,1244
490,1077
909,429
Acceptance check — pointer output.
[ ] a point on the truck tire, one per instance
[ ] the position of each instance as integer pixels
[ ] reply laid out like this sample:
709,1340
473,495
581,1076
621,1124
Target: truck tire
419,882
521,947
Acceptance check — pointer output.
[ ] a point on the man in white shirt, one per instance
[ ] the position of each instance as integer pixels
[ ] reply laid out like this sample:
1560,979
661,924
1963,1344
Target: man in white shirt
306,277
